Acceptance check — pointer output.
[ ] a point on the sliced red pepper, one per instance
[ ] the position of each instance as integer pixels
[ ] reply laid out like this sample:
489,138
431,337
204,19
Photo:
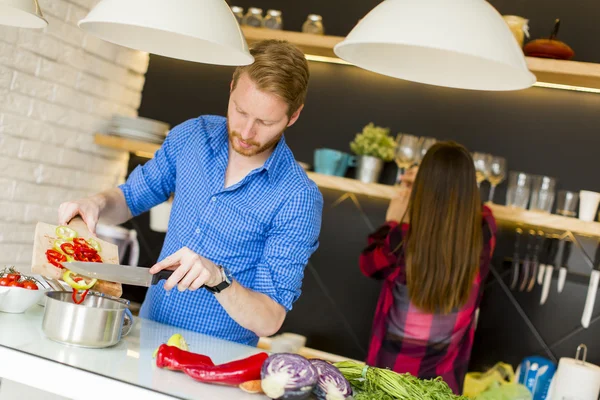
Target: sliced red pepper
80,299
172,357
55,255
67,248
80,241
56,264
95,258
233,373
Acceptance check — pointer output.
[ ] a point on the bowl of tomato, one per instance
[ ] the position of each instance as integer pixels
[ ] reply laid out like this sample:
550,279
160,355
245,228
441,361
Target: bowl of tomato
18,292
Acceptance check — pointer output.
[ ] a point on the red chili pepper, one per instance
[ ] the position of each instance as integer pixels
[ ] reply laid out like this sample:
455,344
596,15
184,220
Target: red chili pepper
55,255
232,373
56,264
81,299
174,358
67,248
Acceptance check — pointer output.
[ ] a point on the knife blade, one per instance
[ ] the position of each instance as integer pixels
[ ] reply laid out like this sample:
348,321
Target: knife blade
515,261
527,261
562,272
543,260
535,260
125,274
552,252
592,290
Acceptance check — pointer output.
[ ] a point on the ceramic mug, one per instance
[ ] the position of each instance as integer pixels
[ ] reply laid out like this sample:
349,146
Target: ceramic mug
333,162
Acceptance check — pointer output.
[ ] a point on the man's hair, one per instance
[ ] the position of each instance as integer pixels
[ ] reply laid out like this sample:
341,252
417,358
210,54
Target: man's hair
279,68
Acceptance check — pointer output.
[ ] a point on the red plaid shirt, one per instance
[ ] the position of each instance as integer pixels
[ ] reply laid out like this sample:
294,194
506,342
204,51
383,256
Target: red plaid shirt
406,339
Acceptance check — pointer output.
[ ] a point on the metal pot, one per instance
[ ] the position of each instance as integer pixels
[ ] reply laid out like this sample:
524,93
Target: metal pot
368,169
100,321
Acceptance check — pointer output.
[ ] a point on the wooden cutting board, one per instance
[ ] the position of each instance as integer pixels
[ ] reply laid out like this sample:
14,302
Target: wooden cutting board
45,235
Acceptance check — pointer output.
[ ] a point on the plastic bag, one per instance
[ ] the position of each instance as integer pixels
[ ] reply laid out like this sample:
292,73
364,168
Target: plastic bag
512,391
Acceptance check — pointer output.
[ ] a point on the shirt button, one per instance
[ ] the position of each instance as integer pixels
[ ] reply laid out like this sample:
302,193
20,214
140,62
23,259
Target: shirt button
198,231
214,199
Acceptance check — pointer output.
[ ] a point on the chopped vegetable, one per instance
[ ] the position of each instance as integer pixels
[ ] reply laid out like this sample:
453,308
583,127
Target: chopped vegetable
174,358
232,373
67,248
331,385
252,387
78,299
288,376
64,232
94,244
370,382
75,283
176,340
58,243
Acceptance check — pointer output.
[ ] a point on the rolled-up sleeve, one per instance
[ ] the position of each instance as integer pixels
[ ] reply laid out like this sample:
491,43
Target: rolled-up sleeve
293,238
152,183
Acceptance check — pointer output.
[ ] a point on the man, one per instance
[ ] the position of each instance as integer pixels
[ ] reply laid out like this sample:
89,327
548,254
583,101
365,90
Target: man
245,216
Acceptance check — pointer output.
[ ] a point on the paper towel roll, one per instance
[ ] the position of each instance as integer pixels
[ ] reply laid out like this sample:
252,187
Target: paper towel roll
575,380
159,217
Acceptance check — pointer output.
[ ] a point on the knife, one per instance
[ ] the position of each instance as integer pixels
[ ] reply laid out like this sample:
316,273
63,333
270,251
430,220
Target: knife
562,272
551,258
125,274
535,260
543,261
527,261
515,262
592,290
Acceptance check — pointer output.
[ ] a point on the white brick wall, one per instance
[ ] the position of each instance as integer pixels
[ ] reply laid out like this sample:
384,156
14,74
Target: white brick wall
57,88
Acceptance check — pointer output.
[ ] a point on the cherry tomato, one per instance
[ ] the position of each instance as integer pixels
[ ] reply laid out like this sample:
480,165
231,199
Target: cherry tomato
14,276
30,285
5,281
16,284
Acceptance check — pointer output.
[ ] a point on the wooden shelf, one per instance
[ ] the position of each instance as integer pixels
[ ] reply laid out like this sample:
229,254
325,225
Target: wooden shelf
504,215
573,73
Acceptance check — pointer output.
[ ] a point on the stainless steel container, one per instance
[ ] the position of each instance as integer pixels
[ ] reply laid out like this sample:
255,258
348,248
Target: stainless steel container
100,321
368,169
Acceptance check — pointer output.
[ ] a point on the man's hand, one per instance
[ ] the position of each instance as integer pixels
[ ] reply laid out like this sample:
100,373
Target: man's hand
399,203
88,208
191,271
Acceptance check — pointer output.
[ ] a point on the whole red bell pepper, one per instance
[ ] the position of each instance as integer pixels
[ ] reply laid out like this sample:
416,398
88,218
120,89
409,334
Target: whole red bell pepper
174,358
232,373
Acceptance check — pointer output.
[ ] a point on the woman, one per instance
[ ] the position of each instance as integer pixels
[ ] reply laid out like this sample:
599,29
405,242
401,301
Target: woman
433,268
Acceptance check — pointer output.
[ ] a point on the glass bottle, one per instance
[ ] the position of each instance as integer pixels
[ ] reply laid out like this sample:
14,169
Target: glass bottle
239,13
314,25
273,20
253,17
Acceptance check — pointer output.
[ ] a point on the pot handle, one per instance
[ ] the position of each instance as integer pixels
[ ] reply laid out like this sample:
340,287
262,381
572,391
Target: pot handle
127,323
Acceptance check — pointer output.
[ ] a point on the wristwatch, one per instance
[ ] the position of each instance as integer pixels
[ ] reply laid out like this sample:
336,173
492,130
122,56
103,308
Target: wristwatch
223,285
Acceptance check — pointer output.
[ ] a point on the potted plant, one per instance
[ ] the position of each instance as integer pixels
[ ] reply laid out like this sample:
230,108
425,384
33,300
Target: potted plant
373,146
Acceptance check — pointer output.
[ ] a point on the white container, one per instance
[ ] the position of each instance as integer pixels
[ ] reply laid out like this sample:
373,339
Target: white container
588,205
16,300
159,216
575,379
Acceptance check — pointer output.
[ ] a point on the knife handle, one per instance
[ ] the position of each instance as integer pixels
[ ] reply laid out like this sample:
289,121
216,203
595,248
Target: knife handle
164,274
590,299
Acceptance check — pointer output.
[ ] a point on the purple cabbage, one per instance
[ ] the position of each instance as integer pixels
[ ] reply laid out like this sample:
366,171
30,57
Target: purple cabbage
331,385
286,376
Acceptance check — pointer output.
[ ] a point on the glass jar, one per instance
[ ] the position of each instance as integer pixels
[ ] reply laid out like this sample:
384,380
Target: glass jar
273,20
253,17
239,13
314,25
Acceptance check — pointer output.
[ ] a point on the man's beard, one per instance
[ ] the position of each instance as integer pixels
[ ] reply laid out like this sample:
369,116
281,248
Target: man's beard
256,148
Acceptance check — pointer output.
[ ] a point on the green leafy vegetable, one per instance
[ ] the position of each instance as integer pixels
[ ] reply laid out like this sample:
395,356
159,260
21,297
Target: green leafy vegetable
382,384
374,141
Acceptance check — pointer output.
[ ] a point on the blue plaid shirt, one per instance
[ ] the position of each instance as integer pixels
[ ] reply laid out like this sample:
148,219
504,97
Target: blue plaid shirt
263,229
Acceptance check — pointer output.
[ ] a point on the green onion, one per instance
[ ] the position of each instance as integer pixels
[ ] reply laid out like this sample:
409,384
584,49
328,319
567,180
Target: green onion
371,383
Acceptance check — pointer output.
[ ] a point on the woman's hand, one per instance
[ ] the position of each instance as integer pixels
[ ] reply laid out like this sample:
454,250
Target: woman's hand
399,203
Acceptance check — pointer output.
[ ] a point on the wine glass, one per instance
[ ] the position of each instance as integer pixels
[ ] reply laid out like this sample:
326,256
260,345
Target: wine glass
426,143
407,149
482,166
496,175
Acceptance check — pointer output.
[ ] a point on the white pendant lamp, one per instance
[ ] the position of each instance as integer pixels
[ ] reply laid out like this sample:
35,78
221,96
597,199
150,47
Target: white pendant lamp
453,43
203,31
22,13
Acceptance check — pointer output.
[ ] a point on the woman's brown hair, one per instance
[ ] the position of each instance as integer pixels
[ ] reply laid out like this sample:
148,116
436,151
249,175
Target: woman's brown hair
444,240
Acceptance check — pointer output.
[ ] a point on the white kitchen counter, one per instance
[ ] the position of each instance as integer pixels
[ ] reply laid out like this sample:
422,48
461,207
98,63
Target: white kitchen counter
124,371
